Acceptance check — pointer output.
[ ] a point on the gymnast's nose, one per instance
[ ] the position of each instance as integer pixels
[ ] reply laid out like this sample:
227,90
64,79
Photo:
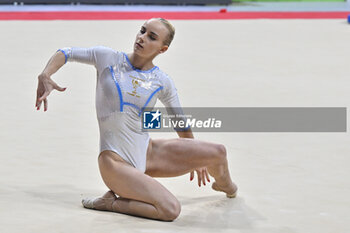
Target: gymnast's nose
141,37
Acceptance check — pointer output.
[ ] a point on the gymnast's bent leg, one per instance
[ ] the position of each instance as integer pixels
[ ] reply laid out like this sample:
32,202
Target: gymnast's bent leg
178,156
139,194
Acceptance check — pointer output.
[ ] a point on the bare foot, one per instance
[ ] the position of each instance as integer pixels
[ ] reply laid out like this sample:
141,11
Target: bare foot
100,203
231,190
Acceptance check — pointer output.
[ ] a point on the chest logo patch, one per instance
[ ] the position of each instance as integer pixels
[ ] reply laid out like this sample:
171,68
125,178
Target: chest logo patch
136,82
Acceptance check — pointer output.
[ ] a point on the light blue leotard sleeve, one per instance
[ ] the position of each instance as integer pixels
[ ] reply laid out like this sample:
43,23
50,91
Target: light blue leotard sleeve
98,56
170,99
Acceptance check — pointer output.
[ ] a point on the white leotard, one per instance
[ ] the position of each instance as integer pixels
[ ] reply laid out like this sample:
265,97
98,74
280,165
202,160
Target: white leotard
122,92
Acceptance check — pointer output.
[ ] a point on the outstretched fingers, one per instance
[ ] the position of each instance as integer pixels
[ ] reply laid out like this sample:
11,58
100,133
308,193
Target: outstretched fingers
44,96
41,99
45,105
191,175
58,88
44,89
202,176
207,174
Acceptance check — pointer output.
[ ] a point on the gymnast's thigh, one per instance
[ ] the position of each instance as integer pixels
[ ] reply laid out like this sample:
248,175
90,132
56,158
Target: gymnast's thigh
178,156
129,182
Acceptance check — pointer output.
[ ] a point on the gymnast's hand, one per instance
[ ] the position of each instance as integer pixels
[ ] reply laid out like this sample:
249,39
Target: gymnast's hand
202,174
45,86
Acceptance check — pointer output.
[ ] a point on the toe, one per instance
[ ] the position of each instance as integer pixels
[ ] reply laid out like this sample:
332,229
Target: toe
88,203
231,195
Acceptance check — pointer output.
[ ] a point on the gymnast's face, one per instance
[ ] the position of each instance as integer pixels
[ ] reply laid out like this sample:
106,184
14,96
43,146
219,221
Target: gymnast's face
150,39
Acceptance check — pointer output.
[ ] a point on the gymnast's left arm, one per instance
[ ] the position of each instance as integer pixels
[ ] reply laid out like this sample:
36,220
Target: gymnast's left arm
170,99
202,173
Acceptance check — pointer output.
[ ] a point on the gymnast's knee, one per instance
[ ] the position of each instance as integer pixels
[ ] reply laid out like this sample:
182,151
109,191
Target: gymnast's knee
221,151
169,210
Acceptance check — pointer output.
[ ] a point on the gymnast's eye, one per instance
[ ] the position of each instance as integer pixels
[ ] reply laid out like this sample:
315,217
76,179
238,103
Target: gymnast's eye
143,30
152,37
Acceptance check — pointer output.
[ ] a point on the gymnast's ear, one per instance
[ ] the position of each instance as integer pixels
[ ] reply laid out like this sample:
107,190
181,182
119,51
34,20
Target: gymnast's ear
163,49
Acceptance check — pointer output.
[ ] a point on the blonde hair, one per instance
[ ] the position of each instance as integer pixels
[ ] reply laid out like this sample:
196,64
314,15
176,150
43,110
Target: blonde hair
171,30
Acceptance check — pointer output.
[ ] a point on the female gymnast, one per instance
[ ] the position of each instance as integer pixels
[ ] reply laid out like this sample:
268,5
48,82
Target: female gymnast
129,158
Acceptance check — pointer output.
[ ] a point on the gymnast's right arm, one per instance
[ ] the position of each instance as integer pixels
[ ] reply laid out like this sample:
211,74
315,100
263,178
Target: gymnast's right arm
45,83
96,56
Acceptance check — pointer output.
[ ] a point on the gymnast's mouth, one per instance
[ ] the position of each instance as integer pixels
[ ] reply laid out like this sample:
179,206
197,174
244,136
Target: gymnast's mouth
138,44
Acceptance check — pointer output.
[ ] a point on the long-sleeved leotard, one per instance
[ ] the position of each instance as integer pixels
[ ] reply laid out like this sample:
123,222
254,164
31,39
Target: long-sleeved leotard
122,92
